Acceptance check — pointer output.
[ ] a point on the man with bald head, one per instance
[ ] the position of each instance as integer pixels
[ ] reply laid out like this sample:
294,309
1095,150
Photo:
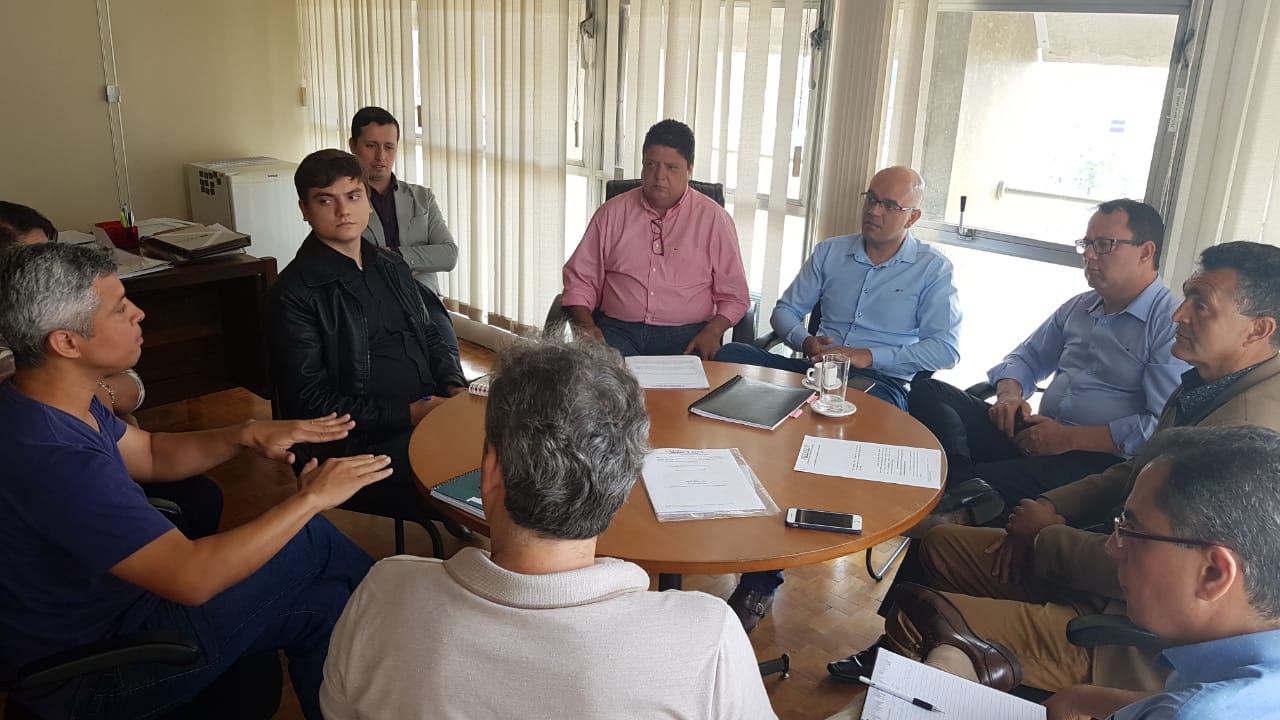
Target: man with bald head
888,302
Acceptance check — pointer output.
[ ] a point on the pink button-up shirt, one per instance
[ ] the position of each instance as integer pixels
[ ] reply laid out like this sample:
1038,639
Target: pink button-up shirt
699,275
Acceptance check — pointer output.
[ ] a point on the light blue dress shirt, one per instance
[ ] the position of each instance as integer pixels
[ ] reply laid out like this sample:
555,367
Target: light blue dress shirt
1236,678
1116,370
904,310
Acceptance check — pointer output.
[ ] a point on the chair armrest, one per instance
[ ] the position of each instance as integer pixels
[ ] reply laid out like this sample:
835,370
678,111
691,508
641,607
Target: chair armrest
982,390
1091,631
154,647
745,330
168,508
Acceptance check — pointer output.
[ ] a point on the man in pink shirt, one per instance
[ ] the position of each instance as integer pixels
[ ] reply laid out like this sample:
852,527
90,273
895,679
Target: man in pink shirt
658,271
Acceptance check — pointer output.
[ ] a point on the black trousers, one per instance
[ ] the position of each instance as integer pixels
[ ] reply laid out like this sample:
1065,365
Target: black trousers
976,448
200,500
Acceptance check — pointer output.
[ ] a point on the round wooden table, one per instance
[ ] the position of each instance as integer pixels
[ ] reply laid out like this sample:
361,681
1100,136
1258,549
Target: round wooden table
450,440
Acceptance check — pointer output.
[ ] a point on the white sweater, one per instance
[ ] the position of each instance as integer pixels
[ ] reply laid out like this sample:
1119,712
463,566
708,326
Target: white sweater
465,638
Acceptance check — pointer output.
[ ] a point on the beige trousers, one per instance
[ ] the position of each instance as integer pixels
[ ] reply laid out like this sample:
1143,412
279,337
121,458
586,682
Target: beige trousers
1028,617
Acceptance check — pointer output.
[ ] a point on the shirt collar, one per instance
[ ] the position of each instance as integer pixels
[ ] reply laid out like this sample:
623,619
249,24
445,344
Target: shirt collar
644,202
473,569
907,253
391,187
1220,659
1139,307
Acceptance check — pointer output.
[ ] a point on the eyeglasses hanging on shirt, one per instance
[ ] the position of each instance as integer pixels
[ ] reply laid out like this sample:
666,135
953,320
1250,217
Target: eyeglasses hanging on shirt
656,245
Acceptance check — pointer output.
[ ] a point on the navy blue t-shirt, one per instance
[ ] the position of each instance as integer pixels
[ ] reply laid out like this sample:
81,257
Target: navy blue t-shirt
69,512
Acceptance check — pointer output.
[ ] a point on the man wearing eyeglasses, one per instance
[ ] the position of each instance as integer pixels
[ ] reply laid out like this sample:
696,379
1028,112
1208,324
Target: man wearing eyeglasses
1109,352
888,300
888,303
1019,587
658,271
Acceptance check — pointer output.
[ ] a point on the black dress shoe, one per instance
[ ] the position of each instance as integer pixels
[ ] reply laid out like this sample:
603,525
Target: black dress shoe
750,606
859,664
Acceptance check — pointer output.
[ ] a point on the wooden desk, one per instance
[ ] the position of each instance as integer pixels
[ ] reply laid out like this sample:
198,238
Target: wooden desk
449,442
205,327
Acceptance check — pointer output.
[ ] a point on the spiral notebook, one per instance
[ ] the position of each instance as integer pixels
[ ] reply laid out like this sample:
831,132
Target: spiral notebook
462,492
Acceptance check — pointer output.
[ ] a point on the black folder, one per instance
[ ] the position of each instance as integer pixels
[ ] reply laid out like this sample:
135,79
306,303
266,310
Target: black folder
751,402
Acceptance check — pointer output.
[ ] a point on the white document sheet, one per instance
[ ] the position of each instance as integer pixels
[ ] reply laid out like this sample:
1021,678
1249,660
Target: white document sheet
919,467
685,482
957,698
669,372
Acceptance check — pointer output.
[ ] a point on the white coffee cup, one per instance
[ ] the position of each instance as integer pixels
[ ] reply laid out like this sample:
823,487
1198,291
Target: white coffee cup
829,371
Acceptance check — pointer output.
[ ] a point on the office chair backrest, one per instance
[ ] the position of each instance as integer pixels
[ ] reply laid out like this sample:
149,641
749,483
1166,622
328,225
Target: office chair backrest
715,191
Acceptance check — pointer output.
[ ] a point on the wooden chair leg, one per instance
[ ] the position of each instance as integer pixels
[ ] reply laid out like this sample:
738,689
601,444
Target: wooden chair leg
878,575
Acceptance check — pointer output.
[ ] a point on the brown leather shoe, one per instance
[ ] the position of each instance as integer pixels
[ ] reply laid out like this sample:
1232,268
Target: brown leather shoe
750,606
940,623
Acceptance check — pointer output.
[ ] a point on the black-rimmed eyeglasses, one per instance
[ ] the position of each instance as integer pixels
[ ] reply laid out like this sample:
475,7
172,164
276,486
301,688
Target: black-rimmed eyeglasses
889,205
1121,531
1102,246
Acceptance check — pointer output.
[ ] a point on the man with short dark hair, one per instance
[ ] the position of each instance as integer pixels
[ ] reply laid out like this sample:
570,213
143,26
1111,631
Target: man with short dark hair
1197,547
83,556
566,432
1109,353
406,218
353,334
1020,587
658,271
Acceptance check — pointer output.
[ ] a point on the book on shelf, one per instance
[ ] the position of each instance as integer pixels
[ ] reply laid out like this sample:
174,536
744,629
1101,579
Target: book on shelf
462,492
753,403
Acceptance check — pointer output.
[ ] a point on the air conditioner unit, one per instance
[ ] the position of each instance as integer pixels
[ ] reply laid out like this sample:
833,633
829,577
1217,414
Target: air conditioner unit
254,196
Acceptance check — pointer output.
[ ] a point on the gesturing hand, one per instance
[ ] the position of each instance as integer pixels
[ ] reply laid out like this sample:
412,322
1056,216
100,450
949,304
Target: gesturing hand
339,478
1030,517
705,344
273,438
1044,437
1004,413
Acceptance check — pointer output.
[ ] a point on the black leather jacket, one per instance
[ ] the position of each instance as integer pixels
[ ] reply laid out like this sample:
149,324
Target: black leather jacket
320,344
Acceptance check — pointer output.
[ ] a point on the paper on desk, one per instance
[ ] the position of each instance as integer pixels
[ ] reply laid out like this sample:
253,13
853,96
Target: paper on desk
151,226
131,265
75,237
920,467
957,698
668,371
699,483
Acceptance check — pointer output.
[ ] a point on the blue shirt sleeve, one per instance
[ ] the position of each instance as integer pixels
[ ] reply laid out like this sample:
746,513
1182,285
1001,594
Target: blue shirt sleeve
805,291
1035,358
1160,377
938,316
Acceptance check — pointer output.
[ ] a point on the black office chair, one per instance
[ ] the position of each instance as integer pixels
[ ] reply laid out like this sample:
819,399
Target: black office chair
249,689
771,340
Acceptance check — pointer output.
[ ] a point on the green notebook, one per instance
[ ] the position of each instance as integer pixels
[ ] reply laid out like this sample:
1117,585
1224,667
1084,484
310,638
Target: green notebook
462,492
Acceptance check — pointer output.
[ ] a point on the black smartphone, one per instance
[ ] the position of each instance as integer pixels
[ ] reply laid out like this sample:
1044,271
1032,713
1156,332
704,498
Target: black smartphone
824,520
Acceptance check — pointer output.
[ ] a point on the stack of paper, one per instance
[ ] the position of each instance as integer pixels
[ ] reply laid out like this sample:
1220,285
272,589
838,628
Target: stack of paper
668,372
194,242
699,484
130,265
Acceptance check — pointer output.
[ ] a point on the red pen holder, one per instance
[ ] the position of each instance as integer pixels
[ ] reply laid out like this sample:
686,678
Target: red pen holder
125,238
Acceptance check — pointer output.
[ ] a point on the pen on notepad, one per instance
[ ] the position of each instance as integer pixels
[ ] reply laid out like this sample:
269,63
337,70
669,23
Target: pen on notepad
901,696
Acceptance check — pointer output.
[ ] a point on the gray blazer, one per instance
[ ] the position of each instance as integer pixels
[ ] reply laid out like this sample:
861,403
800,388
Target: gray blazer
425,241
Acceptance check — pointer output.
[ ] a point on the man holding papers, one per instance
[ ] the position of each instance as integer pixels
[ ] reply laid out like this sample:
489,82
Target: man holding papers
539,627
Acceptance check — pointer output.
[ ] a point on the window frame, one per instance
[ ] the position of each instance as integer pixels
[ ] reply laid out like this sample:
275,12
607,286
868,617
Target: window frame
1170,145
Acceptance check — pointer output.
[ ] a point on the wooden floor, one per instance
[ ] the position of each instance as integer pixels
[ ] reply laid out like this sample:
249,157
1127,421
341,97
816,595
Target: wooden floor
822,612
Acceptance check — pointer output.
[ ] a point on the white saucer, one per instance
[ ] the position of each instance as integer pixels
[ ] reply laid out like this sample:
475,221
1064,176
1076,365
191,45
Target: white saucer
843,411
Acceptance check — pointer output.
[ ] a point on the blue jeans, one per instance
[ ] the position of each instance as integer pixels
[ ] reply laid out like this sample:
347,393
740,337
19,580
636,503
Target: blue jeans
888,389
291,603
634,338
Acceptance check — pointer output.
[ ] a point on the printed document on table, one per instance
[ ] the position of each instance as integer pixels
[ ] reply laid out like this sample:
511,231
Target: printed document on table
920,467
669,372
955,697
684,482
